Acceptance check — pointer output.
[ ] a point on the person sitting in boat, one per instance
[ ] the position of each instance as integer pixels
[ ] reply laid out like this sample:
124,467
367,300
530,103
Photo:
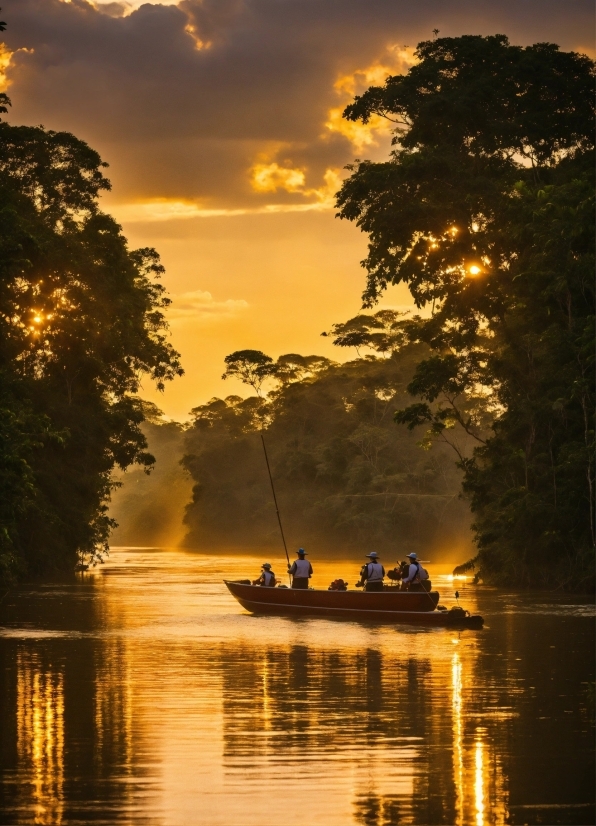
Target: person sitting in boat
267,577
417,576
300,570
372,574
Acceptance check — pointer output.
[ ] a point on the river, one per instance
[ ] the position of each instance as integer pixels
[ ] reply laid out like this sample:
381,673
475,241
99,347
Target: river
141,693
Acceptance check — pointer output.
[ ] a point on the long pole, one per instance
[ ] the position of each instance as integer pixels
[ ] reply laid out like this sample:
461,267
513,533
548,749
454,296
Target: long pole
275,500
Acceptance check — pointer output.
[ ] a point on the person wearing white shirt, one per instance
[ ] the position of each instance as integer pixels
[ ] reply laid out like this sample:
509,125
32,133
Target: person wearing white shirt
412,581
300,570
267,578
373,573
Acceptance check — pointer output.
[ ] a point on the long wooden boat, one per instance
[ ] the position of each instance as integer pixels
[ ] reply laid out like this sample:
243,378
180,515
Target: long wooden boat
389,606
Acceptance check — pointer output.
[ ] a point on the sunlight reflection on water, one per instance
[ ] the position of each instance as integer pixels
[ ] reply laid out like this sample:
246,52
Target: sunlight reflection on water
143,693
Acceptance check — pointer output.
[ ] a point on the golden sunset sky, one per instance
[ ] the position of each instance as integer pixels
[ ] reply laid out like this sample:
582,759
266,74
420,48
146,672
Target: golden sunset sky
221,123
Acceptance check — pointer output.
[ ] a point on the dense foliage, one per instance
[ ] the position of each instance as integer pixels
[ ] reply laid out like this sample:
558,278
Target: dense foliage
485,209
80,322
346,479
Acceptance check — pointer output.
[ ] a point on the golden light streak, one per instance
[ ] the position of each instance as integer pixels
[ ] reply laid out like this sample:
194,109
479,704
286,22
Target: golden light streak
458,757
267,704
479,783
40,735
162,209
292,180
114,712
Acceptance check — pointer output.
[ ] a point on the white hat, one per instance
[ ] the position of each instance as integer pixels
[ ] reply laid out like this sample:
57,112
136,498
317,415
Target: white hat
373,554
412,556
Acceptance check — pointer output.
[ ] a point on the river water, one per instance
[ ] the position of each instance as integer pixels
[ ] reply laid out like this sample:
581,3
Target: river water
142,693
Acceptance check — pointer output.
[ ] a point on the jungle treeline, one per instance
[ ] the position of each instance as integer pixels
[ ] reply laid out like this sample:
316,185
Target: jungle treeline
346,477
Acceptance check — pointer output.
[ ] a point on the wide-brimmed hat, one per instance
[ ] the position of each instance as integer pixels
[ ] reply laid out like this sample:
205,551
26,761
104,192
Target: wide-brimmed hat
412,556
373,554
301,551
266,565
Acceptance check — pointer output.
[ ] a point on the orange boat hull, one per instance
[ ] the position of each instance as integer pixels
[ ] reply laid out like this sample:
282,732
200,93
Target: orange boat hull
392,606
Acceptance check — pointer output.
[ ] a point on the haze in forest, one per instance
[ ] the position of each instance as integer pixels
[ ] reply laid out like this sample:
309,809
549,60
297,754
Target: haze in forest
347,479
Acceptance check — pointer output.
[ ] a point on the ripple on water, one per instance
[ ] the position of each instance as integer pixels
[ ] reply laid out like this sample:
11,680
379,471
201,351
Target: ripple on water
143,694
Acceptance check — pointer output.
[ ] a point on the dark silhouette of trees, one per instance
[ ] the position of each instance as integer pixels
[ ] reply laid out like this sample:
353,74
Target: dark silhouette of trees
485,209
81,321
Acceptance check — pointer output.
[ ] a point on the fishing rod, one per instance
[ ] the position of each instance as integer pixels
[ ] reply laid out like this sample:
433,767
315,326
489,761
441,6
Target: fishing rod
275,500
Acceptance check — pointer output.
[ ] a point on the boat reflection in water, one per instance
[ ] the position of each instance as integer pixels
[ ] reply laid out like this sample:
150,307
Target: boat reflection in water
374,725
143,694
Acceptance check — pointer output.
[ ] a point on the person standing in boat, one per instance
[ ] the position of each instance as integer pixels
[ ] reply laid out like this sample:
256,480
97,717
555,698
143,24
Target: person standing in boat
300,570
413,581
373,573
267,578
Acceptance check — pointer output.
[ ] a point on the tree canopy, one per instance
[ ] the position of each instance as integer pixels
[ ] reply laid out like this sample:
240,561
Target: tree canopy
383,332
485,209
81,321
346,479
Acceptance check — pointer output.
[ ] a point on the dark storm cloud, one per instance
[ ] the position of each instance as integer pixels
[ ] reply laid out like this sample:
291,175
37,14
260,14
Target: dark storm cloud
181,99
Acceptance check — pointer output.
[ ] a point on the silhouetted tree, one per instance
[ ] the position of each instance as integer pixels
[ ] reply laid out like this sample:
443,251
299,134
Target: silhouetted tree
485,209
81,321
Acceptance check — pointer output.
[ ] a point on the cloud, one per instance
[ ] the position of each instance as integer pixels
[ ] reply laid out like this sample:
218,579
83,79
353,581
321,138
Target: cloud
185,98
397,60
161,209
200,306
271,177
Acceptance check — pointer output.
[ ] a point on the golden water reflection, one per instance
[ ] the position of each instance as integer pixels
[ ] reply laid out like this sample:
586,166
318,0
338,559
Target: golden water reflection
40,735
169,705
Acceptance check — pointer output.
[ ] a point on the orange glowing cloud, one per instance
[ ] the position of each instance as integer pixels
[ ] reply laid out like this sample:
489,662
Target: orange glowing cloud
199,305
396,61
271,177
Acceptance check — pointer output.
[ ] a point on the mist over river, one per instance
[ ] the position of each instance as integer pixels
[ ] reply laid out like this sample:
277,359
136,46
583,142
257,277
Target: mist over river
142,693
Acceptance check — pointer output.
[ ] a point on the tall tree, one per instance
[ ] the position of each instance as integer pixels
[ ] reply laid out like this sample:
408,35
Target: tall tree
81,321
485,210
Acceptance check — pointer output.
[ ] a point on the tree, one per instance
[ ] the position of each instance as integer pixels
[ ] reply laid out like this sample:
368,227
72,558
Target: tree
252,367
293,367
81,321
383,332
485,210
